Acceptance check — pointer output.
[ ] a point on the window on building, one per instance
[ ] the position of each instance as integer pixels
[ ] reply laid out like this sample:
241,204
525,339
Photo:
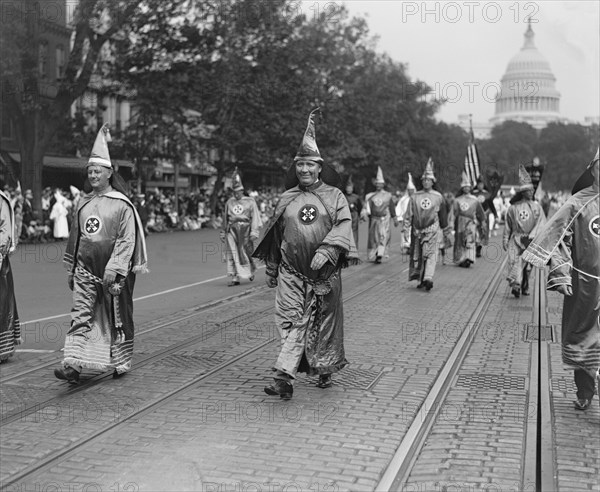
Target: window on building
61,61
43,59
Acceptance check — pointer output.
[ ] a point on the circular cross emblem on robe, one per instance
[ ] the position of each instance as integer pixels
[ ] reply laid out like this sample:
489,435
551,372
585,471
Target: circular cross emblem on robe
237,209
480,198
425,203
308,214
523,214
464,206
377,202
595,226
92,225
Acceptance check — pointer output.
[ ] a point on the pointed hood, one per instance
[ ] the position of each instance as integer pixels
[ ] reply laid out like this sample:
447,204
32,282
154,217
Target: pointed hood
100,155
587,178
379,178
411,183
237,181
429,171
524,179
465,180
308,149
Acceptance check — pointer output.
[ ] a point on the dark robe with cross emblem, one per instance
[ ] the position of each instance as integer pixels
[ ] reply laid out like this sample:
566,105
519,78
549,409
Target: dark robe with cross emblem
308,306
425,215
523,220
570,244
107,234
242,227
380,208
469,222
10,331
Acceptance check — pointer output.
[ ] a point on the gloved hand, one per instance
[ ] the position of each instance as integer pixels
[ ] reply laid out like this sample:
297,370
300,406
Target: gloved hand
271,282
222,236
318,261
564,289
109,278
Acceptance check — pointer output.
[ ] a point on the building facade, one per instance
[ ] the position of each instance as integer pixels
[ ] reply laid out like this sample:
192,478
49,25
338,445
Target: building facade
528,93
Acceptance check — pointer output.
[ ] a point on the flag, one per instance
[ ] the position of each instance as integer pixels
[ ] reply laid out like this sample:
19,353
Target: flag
472,159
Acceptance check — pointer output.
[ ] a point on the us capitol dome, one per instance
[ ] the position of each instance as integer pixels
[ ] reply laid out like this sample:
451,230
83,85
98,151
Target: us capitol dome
527,91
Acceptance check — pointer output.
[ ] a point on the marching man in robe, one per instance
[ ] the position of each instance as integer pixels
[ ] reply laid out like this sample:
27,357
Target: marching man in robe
401,208
380,208
523,220
469,223
569,243
106,249
425,215
306,244
10,331
241,227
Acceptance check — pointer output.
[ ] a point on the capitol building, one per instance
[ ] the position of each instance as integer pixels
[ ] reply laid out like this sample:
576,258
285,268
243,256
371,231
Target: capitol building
528,93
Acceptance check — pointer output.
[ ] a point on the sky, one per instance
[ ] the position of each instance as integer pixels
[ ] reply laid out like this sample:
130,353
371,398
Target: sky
462,48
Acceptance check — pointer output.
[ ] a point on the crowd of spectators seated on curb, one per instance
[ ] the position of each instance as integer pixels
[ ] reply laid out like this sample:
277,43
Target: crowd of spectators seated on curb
157,210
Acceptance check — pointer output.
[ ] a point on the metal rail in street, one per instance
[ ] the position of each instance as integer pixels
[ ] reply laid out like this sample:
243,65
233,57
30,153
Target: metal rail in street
60,455
398,470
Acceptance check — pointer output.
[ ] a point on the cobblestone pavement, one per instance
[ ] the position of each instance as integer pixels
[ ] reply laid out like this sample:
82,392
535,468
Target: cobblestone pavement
224,434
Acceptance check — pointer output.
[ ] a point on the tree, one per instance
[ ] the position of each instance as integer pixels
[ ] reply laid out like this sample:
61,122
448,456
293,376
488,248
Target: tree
35,113
511,143
565,150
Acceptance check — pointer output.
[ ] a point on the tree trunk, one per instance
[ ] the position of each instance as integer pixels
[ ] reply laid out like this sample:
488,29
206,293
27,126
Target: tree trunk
32,157
219,182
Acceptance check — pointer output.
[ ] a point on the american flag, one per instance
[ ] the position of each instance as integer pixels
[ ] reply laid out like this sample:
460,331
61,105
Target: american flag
472,160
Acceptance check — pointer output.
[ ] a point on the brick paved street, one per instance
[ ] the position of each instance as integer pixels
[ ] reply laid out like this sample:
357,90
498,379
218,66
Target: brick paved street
222,433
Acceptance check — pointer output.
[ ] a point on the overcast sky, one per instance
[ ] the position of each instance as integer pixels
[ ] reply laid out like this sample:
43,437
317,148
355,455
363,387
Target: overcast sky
455,45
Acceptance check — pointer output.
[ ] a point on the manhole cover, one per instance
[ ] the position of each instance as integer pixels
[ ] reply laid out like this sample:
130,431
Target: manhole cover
491,382
531,332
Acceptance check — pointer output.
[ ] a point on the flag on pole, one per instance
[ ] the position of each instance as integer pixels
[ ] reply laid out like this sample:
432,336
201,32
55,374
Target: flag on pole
472,158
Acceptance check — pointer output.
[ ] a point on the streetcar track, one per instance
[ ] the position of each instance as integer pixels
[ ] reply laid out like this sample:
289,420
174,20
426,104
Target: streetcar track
396,474
20,413
50,460
199,310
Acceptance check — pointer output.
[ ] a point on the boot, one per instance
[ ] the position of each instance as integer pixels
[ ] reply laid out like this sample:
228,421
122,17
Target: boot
280,387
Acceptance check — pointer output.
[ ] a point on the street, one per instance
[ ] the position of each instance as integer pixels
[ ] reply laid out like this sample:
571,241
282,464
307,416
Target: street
186,270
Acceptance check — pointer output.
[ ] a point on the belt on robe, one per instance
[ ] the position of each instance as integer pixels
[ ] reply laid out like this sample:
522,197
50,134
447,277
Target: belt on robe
427,229
114,290
320,286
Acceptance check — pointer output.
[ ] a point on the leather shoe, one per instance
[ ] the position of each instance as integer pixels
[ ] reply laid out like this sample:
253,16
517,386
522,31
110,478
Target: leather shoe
516,291
421,285
325,381
378,260
280,387
67,374
428,285
582,403
232,283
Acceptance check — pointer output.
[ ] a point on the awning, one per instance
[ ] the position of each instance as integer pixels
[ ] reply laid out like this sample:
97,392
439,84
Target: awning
74,163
